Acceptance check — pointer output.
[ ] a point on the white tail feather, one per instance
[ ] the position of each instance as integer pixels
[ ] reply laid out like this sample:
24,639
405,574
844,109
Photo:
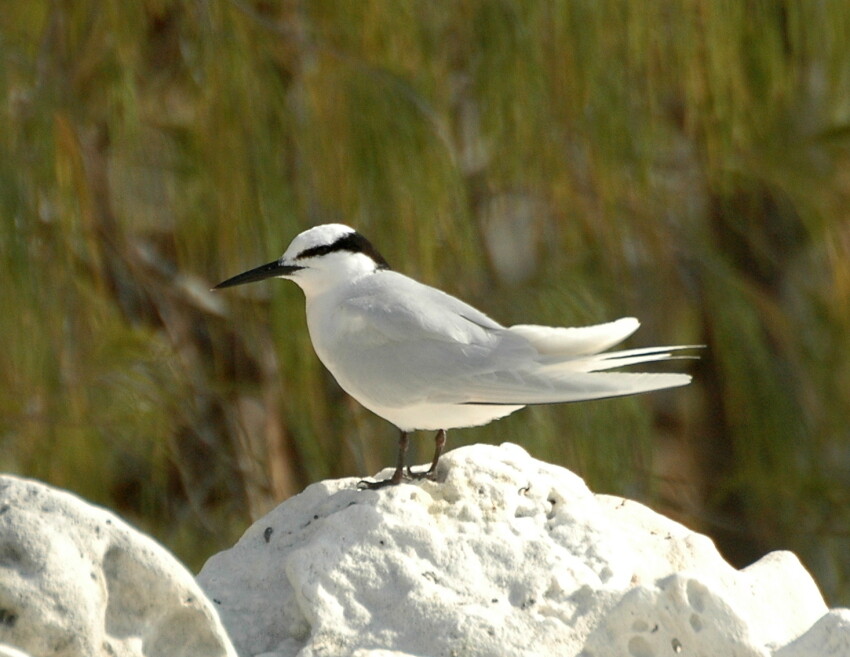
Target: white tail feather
576,341
527,388
613,359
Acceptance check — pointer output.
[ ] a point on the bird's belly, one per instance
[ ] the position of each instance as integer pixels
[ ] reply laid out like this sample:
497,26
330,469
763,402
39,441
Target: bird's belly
426,416
403,407
391,379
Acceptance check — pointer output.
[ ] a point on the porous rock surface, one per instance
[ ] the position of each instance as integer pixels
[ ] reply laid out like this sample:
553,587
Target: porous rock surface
76,581
504,555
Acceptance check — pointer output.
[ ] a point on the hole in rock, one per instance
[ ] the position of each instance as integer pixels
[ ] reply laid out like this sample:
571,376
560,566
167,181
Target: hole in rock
696,623
639,647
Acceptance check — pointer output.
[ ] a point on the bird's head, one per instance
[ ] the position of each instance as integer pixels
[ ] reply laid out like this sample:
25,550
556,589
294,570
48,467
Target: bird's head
317,259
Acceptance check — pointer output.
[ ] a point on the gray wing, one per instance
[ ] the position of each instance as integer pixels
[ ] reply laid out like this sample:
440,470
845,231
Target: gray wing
414,343
524,387
404,342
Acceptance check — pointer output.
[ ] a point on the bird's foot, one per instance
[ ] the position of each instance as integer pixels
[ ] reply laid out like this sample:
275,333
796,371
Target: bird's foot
365,484
396,479
429,474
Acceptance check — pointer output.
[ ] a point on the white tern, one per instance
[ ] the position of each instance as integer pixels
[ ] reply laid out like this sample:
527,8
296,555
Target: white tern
425,360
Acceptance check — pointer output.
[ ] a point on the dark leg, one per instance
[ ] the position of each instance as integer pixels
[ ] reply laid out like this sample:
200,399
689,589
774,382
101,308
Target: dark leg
431,473
398,475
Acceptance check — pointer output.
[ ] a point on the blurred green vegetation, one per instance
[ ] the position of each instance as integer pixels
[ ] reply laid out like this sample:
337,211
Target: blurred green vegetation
548,161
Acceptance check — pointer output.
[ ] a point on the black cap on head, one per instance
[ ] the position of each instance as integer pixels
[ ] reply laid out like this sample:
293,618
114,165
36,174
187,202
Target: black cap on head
352,242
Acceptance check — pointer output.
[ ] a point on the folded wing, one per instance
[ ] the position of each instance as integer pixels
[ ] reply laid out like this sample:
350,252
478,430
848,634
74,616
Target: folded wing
569,368
533,388
407,343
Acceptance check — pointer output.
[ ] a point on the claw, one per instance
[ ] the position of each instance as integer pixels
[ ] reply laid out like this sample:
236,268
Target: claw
363,484
398,476
429,474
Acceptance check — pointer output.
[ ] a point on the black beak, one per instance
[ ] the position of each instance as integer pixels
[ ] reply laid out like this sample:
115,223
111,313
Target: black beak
270,270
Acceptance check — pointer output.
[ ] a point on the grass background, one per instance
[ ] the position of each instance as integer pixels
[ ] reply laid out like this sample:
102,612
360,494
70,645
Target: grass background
548,161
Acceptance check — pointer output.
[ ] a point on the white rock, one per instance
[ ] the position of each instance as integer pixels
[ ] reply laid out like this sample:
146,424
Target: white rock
8,651
505,555
76,581
829,637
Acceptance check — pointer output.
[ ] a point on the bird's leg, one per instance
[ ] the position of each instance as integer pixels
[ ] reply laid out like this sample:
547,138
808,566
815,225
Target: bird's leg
431,473
398,474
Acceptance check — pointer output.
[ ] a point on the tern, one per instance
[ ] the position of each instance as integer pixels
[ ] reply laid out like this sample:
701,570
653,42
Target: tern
425,360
